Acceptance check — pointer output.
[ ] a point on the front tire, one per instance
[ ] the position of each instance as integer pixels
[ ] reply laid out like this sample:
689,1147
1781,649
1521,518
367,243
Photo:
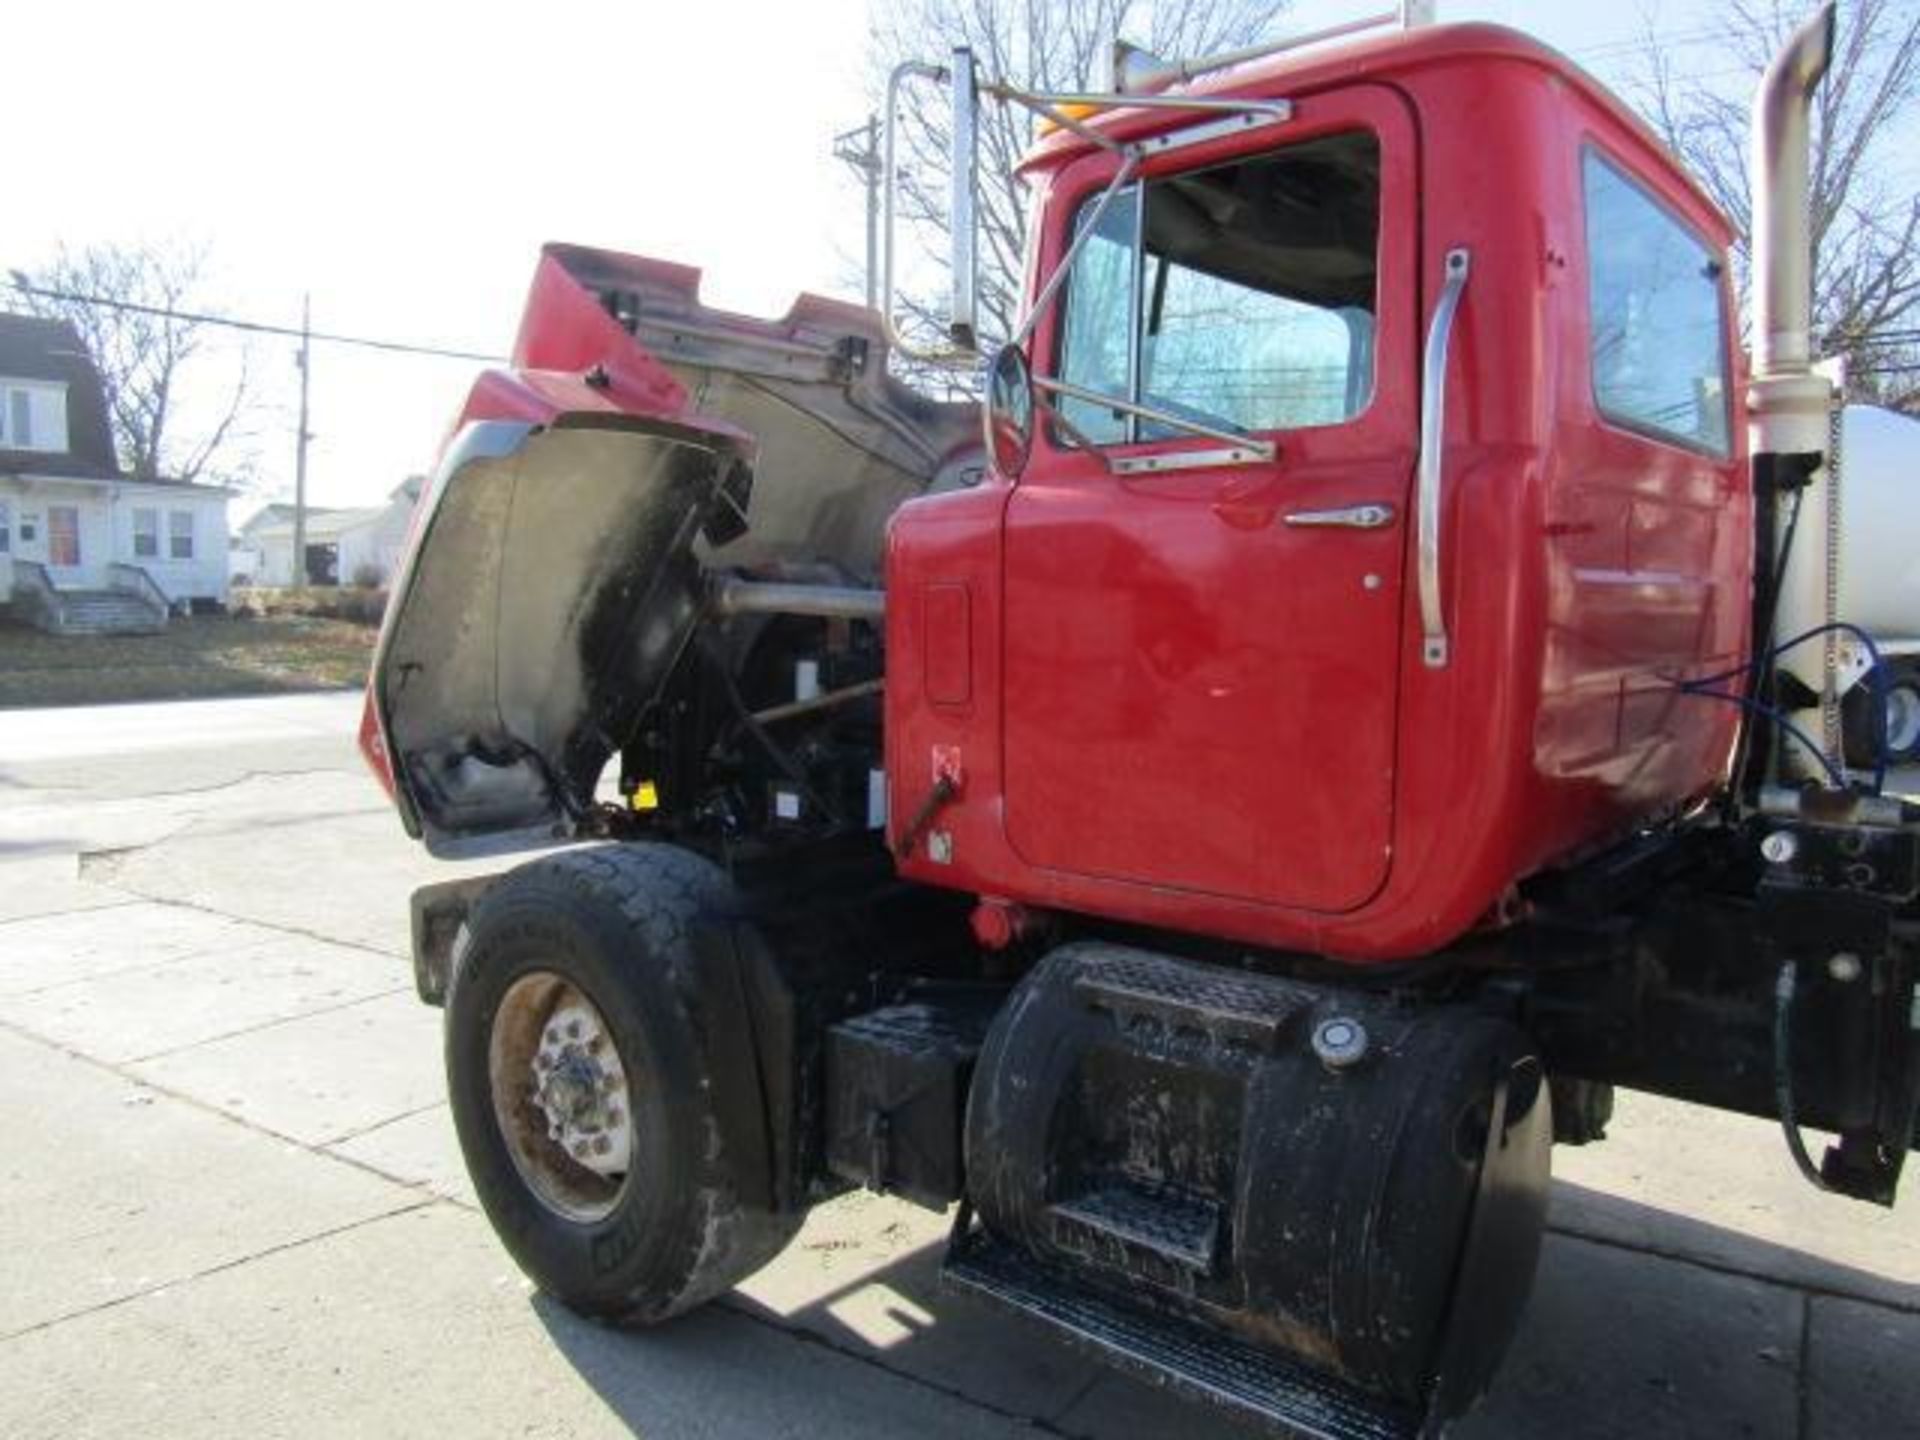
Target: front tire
580,1087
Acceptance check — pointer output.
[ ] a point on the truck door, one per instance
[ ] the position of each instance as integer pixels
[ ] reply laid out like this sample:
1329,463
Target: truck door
1201,657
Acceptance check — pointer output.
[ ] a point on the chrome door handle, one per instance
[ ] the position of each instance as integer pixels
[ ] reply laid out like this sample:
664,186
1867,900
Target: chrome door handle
1371,516
1433,419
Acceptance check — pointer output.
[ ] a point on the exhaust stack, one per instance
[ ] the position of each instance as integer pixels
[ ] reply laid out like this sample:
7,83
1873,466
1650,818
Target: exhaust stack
1782,221
1790,402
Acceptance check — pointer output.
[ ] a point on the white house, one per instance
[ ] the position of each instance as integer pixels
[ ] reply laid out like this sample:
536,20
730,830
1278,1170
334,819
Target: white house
246,562
344,547
79,539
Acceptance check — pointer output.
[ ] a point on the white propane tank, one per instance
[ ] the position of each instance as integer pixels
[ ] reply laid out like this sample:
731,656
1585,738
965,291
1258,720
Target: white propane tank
1880,522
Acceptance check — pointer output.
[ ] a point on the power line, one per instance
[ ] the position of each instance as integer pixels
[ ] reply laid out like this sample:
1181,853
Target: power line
254,327
1611,49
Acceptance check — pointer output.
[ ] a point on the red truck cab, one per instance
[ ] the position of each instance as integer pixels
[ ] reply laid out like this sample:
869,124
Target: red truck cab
1198,697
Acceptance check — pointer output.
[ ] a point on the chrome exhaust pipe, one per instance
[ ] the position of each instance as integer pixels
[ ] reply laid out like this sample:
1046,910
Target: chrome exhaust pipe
1790,402
1782,219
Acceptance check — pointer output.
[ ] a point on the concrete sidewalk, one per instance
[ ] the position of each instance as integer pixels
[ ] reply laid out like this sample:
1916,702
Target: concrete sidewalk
230,1203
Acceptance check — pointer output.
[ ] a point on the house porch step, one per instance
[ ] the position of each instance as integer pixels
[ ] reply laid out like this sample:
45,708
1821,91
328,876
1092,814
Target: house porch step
104,612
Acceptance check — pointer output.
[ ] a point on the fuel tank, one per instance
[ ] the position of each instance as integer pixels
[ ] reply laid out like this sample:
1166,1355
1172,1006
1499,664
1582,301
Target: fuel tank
1357,1184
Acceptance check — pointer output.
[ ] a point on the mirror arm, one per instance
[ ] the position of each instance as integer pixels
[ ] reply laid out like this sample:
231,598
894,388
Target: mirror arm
1074,433
1044,106
966,89
1121,179
1043,101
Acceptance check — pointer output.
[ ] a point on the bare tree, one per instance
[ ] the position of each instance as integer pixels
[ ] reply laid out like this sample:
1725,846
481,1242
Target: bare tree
137,310
1866,269
1049,45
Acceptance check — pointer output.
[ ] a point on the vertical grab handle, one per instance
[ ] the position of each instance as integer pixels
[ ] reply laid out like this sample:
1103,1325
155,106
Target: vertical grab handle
1433,422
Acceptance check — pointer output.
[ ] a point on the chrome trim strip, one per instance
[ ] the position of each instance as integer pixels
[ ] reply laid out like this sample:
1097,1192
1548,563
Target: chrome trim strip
1181,460
1281,112
1433,418
1253,449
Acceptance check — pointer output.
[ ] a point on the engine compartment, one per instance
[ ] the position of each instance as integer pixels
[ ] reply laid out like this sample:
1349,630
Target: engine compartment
596,564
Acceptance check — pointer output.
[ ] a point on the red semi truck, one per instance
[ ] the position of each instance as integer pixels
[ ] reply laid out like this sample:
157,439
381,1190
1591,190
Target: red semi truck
1361,687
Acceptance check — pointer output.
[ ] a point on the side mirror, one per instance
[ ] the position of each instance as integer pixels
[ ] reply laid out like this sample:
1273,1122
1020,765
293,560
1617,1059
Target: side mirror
1008,413
963,330
963,322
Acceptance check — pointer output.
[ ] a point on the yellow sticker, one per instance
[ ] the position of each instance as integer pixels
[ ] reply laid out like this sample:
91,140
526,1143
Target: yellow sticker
646,796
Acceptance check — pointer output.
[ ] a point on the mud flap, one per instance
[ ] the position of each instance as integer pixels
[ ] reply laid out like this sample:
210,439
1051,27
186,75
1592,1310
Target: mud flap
1502,1248
551,589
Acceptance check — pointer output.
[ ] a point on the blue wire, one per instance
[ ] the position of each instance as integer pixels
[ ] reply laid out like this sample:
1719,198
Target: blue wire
1877,676
1779,718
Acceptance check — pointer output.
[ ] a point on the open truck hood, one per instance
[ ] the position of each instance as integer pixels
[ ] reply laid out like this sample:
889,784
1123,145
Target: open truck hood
559,563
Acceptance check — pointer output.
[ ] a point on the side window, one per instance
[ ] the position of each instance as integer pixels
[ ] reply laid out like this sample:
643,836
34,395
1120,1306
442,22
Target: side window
179,534
20,419
146,534
1241,296
6,528
1658,321
1098,329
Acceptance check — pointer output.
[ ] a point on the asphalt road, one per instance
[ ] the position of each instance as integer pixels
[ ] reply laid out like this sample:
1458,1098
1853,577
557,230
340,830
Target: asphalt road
230,1203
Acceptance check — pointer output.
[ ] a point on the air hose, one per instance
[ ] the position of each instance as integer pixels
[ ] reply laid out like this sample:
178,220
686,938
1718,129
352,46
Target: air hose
1783,992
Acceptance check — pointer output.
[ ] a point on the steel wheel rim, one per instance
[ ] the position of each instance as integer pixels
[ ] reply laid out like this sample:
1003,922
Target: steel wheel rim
560,1096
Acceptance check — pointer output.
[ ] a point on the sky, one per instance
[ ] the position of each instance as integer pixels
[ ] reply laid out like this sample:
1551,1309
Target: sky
402,163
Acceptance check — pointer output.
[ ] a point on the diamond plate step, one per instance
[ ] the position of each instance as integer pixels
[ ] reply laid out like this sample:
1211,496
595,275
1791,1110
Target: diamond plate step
1253,1385
1249,1008
1175,1227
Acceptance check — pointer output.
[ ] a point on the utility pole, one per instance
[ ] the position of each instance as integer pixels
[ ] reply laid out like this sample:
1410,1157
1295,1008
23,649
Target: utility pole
303,359
860,148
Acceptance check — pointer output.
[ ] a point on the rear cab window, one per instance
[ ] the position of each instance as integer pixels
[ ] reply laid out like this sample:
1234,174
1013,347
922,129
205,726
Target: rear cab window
1657,311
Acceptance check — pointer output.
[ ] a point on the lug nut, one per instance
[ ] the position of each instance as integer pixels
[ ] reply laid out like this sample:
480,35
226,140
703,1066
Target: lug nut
573,1029
1780,847
602,1145
1844,967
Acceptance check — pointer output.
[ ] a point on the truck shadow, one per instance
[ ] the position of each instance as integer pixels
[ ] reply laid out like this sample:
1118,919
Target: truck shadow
1689,1329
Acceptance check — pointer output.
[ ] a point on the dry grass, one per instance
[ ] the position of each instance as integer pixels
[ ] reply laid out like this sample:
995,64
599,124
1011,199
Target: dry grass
359,603
198,657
